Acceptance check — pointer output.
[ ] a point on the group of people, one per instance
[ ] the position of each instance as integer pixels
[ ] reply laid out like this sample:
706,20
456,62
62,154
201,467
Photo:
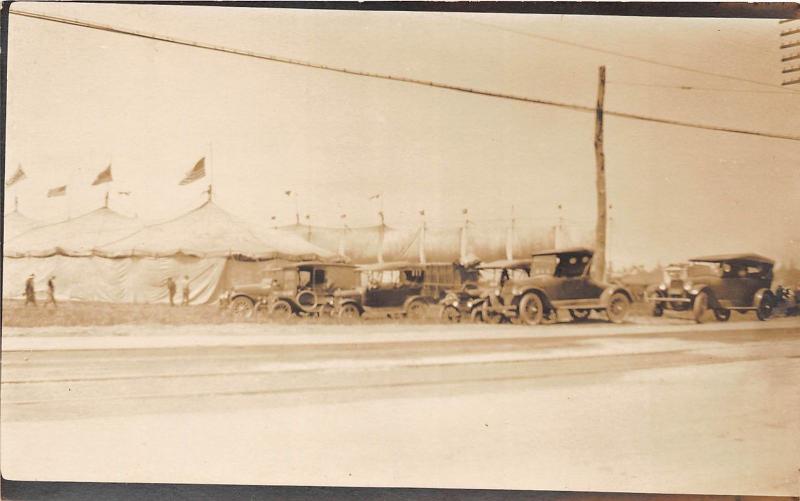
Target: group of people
172,288
30,291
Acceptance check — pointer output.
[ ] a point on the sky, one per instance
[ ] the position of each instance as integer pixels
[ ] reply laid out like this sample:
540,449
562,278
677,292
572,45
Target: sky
80,99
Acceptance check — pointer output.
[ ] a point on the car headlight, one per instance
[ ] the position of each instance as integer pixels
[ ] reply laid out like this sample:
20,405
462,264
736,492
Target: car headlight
687,287
662,287
469,304
514,291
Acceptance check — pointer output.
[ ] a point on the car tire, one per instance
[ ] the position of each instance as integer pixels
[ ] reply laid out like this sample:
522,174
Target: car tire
450,315
580,315
280,310
699,307
349,312
722,315
765,307
242,307
618,307
658,310
416,310
531,309
476,315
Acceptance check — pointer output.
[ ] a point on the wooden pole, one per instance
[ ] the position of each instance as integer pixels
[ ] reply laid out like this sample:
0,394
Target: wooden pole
600,231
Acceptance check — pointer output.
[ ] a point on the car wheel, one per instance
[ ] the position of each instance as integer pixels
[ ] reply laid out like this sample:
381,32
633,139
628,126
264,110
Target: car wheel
722,315
280,310
242,307
699,307
618,307
765,307
658,310
476,316
531,310
416,310
579,315
450,314
349,312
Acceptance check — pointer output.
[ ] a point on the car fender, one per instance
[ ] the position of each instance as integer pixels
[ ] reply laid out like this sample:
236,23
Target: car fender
418,297
761,294
352,301
545,300
605,297
237,295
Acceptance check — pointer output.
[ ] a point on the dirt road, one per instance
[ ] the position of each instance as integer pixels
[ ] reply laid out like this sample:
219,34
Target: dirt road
643,407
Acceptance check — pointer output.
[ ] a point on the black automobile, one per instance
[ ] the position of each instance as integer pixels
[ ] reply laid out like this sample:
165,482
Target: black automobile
402,289
722,284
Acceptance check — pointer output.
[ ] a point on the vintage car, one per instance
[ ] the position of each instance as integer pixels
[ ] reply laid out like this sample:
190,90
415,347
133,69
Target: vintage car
469,302
559,279
724,283
304,289
402,289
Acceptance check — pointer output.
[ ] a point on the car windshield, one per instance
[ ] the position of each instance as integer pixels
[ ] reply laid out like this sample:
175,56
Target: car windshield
704,270
544,265
492,275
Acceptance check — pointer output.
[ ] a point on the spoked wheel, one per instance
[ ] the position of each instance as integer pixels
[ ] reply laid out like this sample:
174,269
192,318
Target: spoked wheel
476,315
699,307
280,310
618,307
349,313
450,314
242,307
579,315
765,307
531,310
416,310
722,315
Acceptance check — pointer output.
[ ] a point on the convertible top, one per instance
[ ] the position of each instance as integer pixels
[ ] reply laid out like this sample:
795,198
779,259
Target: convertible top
568,250
744,258
506,263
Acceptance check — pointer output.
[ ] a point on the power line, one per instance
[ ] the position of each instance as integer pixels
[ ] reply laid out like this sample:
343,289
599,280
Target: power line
381,76
626,56
696,88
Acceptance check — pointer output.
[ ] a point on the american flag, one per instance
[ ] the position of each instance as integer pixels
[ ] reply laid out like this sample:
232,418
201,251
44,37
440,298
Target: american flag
103,177
59,191
18,176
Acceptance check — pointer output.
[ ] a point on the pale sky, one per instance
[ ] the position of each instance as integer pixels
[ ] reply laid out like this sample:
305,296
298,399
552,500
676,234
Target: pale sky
80,99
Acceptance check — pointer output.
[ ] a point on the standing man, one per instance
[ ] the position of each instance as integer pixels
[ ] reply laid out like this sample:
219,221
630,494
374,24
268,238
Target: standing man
185,284
30,293
51,292
171,288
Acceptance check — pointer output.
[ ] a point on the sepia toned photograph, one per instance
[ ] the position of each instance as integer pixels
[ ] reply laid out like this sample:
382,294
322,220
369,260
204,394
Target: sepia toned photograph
284,246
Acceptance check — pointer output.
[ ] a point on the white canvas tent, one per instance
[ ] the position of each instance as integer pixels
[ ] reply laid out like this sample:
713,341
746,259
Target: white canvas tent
103,256
15,224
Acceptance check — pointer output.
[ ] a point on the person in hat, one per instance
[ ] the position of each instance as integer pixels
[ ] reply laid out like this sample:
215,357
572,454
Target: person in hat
185,284
51,292
171,288
30,293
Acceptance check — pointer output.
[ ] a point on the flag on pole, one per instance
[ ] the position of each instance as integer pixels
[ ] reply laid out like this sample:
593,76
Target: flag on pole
18,176
197,172
464,211
124,193
343,216
288,193
103,177
57,192
375,197
422,212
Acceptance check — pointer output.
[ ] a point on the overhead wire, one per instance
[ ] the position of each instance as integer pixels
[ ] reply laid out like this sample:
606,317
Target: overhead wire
382,76
625,55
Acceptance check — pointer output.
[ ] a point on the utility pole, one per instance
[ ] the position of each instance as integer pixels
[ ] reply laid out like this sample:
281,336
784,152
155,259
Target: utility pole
600,161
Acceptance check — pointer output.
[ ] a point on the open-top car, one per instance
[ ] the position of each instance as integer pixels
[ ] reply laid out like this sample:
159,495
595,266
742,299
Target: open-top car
304,289
559,279
723,283
471,302
402,289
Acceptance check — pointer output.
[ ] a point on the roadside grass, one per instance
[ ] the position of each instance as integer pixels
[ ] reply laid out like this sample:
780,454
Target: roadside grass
75,313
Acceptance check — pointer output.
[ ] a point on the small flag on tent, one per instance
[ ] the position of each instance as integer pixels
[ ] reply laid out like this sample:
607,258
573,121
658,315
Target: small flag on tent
422,212
288,193
374,197
343,216
464,211
197,172
308,216
273,218
103,177
124,193
57,192
18,176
